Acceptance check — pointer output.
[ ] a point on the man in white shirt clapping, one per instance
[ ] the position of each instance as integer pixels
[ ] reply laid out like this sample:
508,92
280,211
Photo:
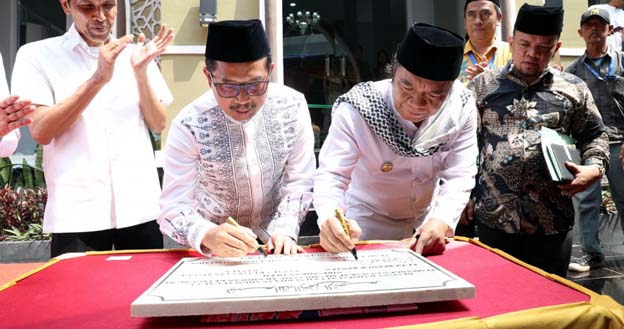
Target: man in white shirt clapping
96,98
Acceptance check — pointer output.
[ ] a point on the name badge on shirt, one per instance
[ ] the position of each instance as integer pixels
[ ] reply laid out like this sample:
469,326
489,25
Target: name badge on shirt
386,166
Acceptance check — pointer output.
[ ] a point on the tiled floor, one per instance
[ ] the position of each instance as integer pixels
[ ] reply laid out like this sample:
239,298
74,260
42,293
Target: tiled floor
9,272
608,280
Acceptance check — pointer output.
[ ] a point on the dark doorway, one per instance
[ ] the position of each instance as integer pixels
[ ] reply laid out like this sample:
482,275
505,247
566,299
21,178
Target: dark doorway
40,20
330,45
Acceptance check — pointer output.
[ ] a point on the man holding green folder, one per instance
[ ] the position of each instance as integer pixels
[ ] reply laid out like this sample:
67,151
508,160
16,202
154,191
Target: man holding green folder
517,206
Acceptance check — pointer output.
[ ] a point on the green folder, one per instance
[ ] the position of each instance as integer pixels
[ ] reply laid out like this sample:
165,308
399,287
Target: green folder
559,148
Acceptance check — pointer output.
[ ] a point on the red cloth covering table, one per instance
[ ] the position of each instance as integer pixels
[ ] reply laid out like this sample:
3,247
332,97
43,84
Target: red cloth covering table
92,292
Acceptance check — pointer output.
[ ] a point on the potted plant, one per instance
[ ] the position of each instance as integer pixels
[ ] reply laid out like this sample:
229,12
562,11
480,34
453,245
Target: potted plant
609,218
22,204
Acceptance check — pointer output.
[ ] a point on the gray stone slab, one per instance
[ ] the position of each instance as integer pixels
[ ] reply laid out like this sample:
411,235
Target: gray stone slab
24,251
309,281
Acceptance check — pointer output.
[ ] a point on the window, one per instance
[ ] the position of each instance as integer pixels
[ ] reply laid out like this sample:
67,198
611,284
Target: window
329,46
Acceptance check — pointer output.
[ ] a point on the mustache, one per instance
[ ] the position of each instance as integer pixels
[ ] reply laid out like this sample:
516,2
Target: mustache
245,107
100,26
99,23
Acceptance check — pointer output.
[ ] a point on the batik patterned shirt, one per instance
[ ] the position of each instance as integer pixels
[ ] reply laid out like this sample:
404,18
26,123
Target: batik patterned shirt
514,192
258,171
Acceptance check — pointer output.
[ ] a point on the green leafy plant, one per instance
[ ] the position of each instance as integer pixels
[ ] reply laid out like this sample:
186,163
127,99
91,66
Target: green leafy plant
34,232
22,200
156,140
23,174
609,218
608,205
21,212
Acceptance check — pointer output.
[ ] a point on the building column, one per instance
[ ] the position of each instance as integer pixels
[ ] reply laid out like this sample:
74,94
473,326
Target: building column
509,18
273,25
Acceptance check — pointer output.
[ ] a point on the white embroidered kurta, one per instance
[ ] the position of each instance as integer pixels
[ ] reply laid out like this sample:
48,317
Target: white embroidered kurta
390,205
259,171
100,172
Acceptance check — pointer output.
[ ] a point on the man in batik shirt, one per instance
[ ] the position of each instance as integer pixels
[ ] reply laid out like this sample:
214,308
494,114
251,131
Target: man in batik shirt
481,52
244,149
517,206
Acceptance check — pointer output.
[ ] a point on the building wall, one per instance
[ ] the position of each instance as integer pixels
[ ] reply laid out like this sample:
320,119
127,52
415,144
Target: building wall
183,72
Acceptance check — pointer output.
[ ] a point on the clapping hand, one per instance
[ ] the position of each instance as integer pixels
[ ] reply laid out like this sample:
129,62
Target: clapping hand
473,71
146,52
13,114
108,55
142,55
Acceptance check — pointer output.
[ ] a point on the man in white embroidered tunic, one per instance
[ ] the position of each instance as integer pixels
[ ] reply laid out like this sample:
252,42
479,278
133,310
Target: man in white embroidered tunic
400,154
96,98
244,149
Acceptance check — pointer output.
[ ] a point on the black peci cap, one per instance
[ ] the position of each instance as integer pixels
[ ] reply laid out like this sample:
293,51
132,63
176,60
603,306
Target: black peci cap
431,52
237,41
539,20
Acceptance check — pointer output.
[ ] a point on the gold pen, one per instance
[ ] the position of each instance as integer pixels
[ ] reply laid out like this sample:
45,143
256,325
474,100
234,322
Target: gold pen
345,227
233,222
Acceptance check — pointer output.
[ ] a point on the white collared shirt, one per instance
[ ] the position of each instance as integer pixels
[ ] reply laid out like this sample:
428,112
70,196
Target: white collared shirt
100,172
258,171
616,18
8,142
390,205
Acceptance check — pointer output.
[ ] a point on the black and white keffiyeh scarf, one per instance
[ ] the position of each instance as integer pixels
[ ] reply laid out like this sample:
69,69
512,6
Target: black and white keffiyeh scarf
434,132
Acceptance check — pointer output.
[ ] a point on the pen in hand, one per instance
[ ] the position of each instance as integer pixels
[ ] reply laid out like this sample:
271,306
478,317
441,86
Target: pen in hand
413,241
233,222
345,227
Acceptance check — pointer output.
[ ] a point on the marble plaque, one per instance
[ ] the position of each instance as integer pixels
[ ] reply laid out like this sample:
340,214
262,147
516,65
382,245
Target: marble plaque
309,281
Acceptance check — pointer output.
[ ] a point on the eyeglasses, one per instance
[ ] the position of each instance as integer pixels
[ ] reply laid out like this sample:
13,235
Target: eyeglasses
231,90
